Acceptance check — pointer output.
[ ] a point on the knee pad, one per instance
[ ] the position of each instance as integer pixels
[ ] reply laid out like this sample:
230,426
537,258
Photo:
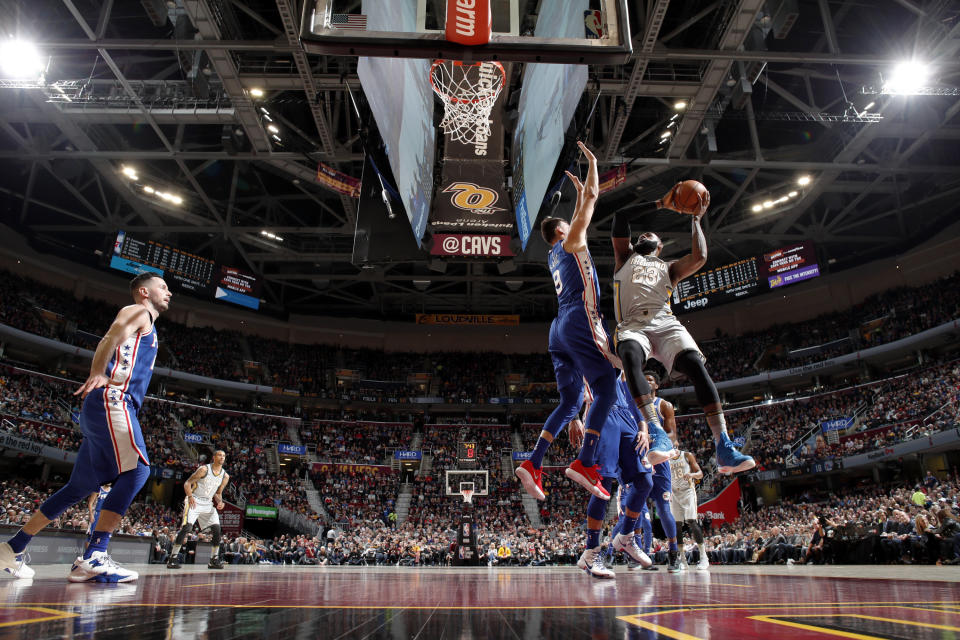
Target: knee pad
633,358
182,534
125,489
639,490
695,530
690,364
215,532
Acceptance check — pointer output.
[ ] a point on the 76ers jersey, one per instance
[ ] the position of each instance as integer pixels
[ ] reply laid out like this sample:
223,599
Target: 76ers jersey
575,278
131,367
642,284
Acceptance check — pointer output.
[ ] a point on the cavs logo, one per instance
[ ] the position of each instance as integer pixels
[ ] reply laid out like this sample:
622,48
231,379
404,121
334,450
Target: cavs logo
471,197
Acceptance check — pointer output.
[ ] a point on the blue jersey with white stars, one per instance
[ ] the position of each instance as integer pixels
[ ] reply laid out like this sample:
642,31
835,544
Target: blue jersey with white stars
574,278
131,368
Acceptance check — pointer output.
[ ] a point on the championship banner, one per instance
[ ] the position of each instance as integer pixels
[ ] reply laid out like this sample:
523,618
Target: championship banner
724,507
471,197
471,246
339,182
231,519
612,179
468,319
335,467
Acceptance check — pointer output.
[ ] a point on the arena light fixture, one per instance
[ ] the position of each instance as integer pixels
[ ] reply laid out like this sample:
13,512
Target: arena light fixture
869,106
270,235
757,207
20,59
680,105
256,92
793,194
907,78
768,204
130,172
666,134
272,128
148,189
803,180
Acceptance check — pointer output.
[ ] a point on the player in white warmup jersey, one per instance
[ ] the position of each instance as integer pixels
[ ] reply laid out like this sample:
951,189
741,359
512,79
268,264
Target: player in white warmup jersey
204,489
647,328
684,471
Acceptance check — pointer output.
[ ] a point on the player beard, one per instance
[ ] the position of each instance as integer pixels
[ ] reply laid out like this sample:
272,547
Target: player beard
645,246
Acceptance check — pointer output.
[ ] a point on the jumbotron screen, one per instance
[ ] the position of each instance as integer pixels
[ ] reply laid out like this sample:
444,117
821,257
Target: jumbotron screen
745,278
186,271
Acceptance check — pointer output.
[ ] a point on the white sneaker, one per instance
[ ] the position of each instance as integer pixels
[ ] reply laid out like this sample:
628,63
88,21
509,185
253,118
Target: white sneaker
790,562
628,544
591,561
704,563
100,567
14,563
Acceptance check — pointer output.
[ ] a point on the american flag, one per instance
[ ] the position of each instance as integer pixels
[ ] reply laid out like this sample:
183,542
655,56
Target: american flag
348,21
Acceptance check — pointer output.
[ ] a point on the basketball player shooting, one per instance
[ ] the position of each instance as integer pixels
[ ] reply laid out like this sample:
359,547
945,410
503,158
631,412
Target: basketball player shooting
579,342
113,450
204,489
647,328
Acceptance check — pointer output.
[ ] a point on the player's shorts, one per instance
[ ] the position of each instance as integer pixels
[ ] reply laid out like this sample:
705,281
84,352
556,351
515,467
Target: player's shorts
112,440
204,513
684,505
661,335
580,348
616,453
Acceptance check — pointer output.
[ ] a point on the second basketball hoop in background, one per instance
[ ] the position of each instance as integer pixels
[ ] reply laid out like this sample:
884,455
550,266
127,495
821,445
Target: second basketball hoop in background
468,91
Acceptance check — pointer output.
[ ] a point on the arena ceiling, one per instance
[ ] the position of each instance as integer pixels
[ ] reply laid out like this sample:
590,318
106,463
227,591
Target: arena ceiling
777,90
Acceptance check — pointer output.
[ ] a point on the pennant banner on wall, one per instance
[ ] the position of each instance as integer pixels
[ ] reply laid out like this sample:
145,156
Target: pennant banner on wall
339,182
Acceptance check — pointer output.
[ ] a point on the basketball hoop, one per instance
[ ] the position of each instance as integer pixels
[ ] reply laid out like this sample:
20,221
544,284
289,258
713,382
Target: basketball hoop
467,496
468,91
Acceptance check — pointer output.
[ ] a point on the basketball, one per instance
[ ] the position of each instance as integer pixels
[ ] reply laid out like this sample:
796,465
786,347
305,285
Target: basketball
689,195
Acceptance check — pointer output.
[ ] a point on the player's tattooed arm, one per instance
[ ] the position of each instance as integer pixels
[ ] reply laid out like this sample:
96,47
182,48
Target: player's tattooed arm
191,482
130,319
693,261
696,473
218,496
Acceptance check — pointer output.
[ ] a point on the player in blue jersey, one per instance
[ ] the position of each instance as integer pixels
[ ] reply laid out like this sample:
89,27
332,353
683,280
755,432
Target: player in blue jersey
662,491
113,450
94,506
619,460
579,345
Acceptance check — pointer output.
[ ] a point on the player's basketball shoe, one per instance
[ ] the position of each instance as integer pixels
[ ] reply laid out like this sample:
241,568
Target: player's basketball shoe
673,562
215,563
729,460
14,563
628,544
704,563
532,479
100,567
591,561
588,478
661,448
173,562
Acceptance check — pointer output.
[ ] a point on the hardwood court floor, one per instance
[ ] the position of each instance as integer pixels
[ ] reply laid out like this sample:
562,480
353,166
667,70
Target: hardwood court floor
908,602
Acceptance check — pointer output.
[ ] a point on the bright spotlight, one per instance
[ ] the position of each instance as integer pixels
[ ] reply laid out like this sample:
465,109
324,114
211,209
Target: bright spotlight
792,194
756,207
869,106
680,105
272,128
666,134
256,93
907,77
803,181
148,189
130,172
176,199
20,59
768,204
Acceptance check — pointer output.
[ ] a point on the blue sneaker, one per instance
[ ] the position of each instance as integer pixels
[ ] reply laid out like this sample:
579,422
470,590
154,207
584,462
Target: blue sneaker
729,460
661,447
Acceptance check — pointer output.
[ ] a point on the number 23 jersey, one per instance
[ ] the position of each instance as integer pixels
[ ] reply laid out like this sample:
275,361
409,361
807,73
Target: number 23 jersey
642,285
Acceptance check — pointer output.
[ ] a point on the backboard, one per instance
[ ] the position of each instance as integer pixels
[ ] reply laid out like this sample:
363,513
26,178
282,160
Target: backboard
456,480
565,31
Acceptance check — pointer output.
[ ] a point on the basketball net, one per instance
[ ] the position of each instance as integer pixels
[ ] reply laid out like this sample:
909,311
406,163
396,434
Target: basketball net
468,91
467,495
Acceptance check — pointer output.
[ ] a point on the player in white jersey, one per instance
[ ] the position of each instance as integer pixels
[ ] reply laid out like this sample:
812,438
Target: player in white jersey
647,328
684,472
204,489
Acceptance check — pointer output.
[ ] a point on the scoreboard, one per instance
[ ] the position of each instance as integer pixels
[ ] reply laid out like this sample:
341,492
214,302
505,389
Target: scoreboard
186,271
467,452
746,277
